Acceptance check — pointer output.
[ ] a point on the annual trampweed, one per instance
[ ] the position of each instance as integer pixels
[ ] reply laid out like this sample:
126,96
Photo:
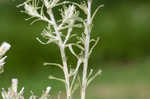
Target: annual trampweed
60,32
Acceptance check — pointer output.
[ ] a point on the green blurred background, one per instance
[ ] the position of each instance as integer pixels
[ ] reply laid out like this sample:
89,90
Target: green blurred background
123,53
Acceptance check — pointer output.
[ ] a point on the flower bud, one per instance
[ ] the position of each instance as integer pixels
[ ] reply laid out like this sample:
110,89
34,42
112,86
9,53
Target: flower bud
31,10
48,89
14,85
4,48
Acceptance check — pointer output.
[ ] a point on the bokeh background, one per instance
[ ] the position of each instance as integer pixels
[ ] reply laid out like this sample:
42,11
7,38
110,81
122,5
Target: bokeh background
123,53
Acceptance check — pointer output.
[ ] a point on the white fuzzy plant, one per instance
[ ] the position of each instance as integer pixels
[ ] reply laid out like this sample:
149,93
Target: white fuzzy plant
13,93
60,32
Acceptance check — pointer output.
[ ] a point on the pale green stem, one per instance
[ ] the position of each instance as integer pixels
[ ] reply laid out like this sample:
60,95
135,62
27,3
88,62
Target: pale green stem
63,55
87,48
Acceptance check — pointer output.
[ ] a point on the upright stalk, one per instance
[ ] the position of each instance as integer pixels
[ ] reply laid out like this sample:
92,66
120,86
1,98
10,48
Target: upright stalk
67,79
70,19
87,48
63,55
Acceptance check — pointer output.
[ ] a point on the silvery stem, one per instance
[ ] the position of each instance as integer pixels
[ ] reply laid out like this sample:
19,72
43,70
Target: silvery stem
87,47
63,55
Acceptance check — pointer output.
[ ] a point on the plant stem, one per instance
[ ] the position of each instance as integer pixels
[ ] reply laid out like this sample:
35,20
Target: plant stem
87,48
67,79
63,55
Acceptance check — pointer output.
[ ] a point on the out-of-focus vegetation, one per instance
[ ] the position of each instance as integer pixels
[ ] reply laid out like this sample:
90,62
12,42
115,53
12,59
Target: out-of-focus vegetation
123,53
